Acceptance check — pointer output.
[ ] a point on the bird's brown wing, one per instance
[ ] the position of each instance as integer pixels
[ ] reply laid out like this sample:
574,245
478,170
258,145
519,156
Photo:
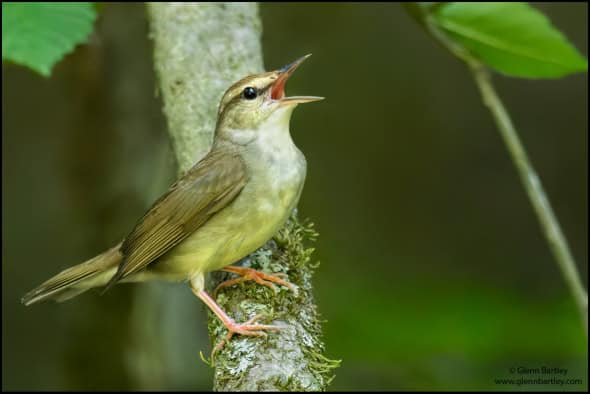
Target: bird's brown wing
207,188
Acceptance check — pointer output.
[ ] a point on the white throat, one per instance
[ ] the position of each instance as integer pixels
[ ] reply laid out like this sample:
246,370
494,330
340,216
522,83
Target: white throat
271,135
270,151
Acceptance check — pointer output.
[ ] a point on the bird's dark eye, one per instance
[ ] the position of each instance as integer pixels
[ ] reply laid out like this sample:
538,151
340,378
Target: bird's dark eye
249,93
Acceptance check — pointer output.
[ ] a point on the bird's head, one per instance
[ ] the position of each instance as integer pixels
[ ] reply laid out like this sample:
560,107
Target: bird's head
250,102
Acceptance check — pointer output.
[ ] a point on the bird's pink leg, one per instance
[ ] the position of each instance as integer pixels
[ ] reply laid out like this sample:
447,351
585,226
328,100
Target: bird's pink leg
257,276
247,328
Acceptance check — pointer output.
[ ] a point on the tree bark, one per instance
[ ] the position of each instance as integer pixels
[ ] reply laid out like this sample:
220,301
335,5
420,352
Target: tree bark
200,49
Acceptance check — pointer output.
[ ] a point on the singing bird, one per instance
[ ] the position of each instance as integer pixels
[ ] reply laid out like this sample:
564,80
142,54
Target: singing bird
225,207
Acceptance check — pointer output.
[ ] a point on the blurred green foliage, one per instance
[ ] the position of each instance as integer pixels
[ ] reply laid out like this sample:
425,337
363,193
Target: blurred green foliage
512,38
38,35
434,273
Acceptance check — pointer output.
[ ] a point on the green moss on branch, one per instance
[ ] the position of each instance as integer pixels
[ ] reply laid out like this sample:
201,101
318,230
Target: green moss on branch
287,360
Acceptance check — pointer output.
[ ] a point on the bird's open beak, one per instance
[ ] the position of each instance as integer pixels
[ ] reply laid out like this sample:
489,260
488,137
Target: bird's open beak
278,88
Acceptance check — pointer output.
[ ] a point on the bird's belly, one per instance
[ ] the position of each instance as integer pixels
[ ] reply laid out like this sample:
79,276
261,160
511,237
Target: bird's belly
233,233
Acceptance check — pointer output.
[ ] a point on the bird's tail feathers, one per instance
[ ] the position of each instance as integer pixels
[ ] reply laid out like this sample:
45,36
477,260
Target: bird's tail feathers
77,279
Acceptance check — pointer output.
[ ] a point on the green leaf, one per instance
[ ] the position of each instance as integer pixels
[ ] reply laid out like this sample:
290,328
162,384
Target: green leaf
512,38
38,35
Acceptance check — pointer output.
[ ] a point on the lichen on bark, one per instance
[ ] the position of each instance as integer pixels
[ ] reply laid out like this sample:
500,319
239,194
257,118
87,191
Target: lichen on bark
290,359
200,49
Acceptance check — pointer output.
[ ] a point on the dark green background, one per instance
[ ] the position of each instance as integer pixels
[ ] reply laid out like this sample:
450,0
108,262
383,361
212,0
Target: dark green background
434,273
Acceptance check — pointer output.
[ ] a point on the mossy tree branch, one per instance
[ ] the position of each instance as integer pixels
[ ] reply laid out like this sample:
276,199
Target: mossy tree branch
200,50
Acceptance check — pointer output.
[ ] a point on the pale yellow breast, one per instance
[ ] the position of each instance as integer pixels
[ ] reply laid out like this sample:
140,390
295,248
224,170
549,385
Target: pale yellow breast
257,214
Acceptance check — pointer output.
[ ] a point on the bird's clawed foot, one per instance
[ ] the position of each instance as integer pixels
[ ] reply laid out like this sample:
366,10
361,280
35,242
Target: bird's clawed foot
247,328
257,276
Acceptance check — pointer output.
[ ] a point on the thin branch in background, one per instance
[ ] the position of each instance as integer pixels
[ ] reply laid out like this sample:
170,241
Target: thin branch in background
534,188
531,181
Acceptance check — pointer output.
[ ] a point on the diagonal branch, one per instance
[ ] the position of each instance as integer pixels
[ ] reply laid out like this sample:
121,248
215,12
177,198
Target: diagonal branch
529,178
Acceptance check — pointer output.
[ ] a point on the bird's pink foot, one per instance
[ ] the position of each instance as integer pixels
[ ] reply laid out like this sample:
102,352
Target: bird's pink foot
257,276
247,328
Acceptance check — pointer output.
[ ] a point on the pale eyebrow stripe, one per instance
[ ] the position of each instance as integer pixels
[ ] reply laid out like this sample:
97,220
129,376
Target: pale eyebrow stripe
239,96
